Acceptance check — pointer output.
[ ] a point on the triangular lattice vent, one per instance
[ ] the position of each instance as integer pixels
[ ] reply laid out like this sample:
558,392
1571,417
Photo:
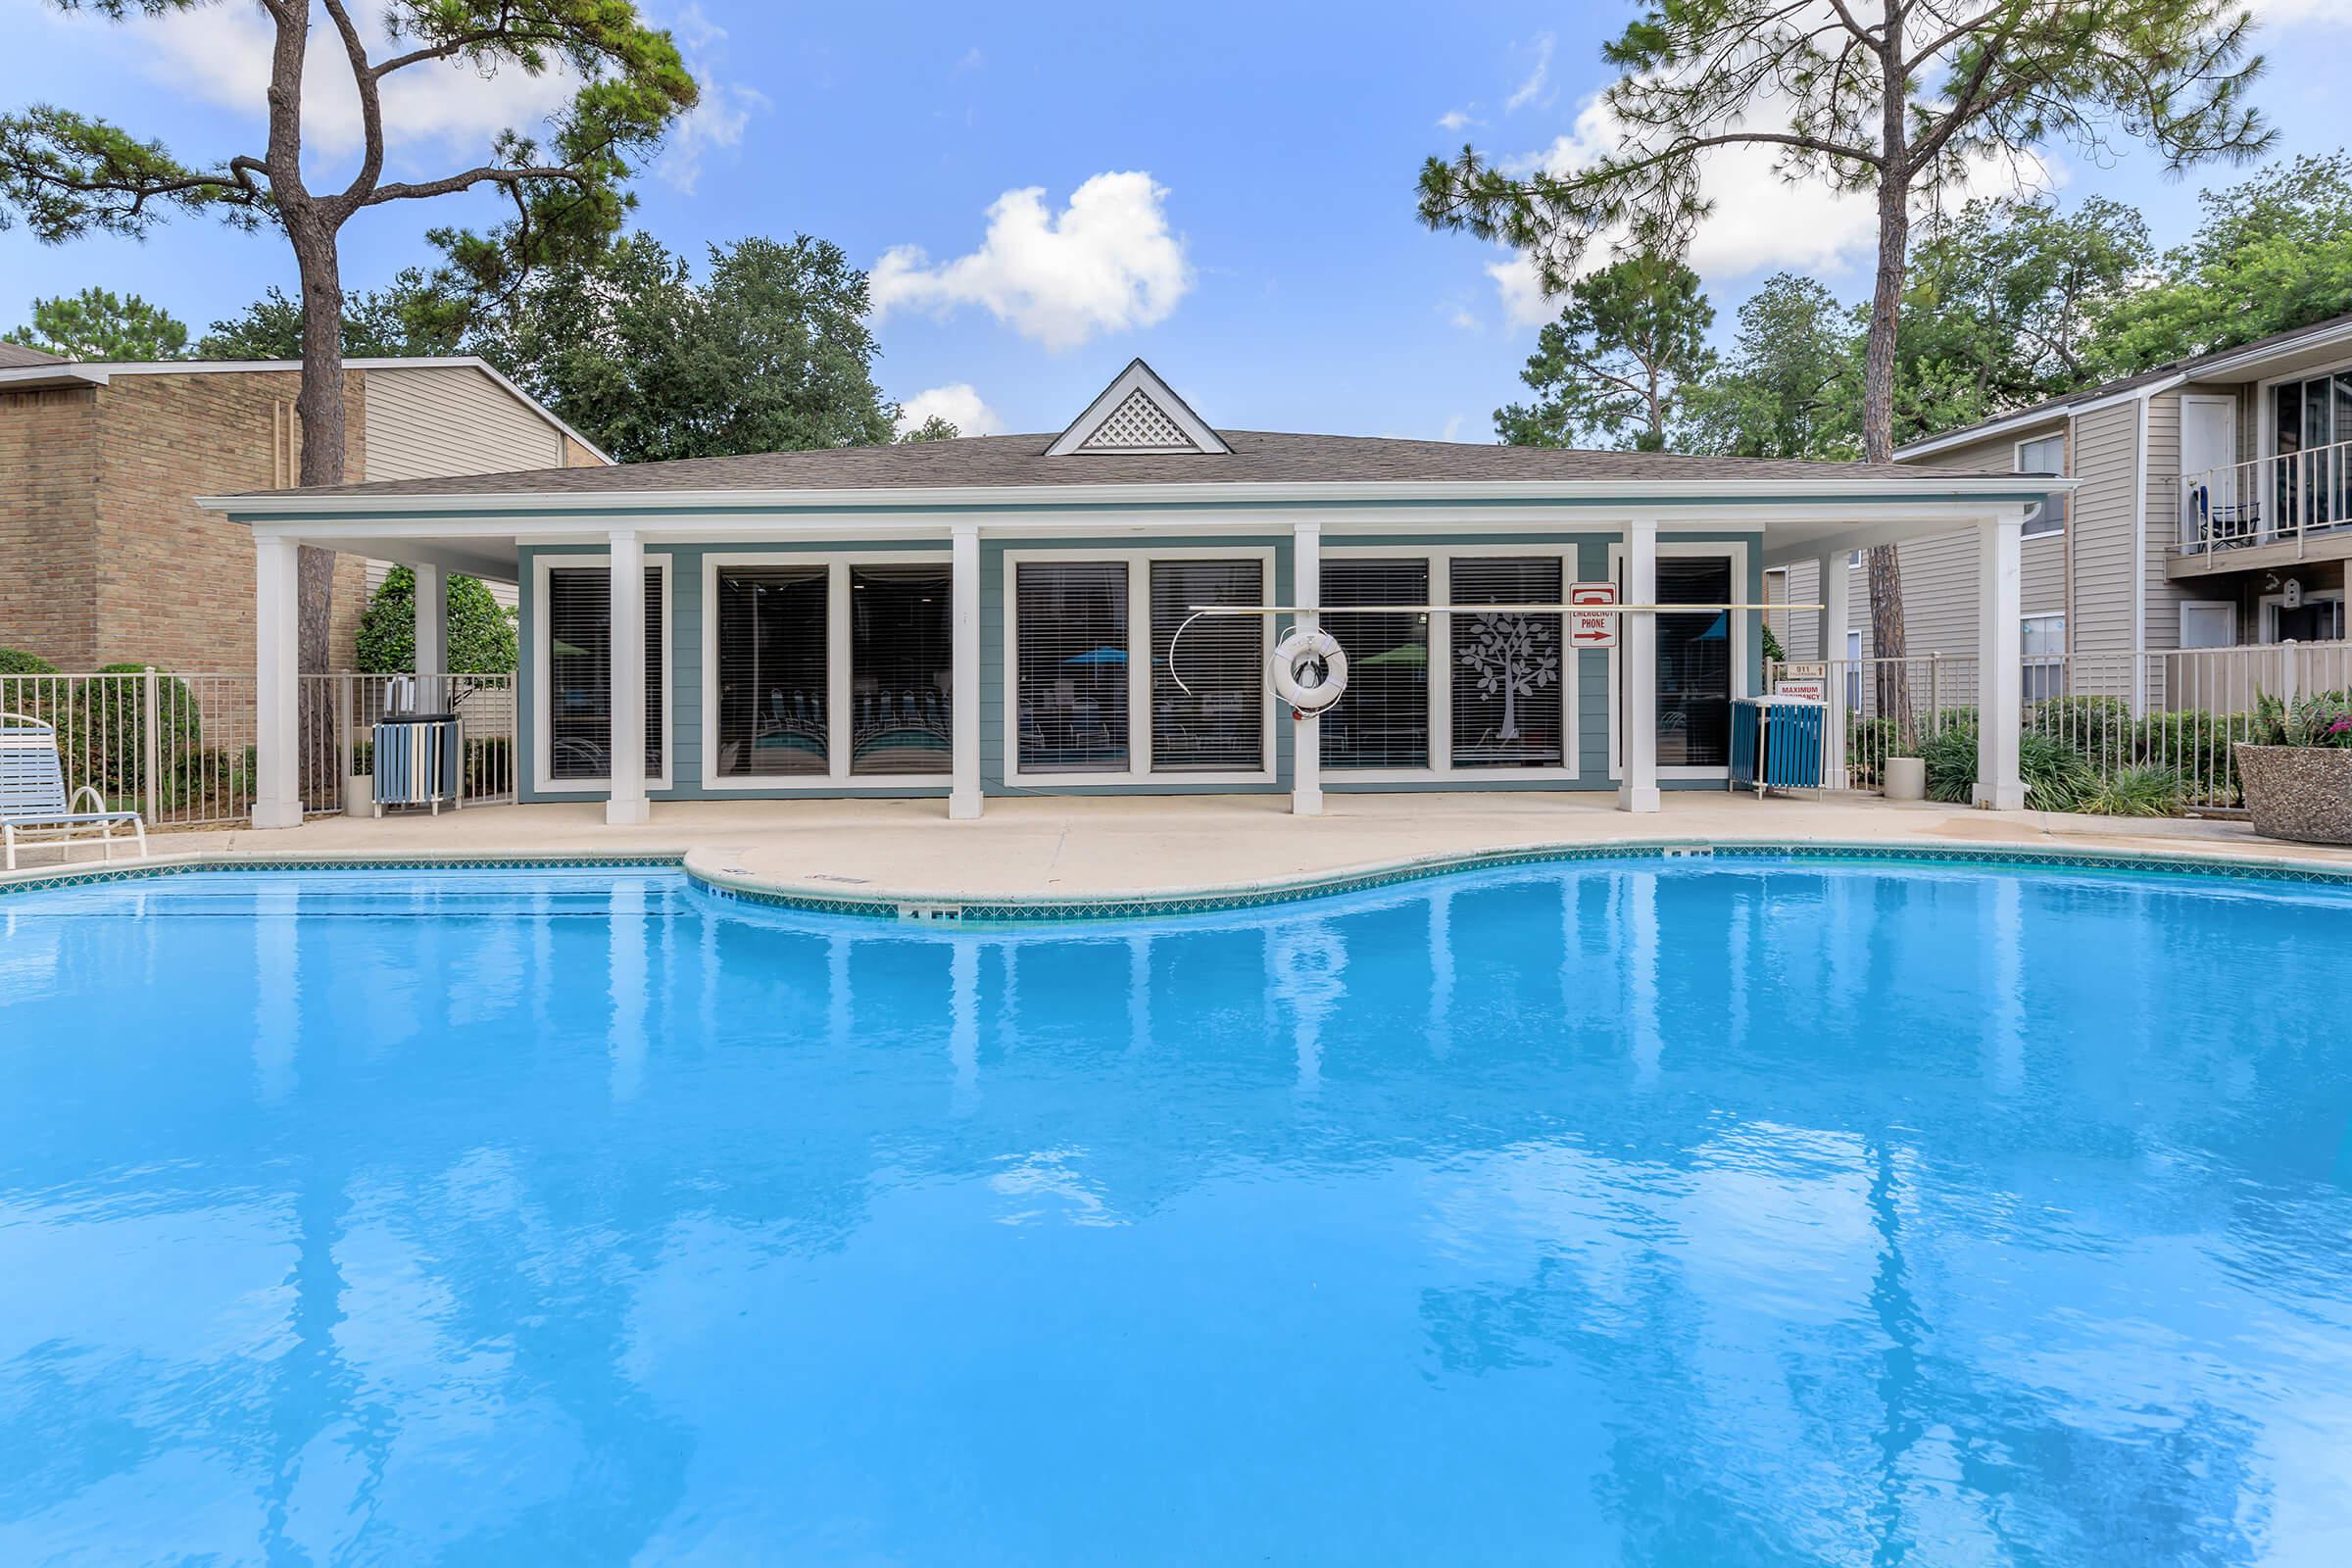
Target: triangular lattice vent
1139,424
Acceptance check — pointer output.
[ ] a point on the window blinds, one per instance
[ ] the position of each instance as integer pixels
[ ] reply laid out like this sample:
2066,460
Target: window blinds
901,650
1219,725
580,666
1070,634
771,671
1383,720
1695,663
1509,708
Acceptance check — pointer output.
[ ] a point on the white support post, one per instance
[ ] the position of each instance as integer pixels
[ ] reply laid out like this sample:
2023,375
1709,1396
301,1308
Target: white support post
1833,620
964,715
1306,737
277,682
1638,632
627,806
432,637
2000,660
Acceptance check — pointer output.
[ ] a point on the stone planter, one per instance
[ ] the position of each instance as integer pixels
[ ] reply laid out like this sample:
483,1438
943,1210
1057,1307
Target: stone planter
359,795
1906,778
2302,793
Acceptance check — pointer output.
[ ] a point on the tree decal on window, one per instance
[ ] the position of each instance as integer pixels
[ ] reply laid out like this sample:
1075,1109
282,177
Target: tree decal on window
1514,657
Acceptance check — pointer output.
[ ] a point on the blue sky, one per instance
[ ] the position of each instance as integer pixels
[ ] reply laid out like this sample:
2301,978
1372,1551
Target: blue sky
1242,178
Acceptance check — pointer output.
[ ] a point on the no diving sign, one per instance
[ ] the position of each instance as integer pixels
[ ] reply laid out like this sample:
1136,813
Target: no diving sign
1591,631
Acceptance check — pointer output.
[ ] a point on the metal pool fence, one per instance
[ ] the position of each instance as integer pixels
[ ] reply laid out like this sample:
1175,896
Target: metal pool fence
178,747
2145,734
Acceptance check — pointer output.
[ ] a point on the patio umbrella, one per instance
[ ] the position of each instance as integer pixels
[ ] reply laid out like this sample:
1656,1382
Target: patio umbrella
1098,656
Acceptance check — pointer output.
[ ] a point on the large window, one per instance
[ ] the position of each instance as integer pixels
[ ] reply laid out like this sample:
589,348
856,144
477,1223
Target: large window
1507,667
1383,720
773,719
902,648
2045,656
579,672
2045,456
1219,723
1695,663
2310,421
1070,630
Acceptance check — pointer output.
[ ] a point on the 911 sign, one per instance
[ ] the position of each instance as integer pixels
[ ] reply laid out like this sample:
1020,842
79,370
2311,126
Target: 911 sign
1591,631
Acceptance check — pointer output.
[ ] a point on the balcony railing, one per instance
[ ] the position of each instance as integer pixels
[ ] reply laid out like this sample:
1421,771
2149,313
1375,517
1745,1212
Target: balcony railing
2267,500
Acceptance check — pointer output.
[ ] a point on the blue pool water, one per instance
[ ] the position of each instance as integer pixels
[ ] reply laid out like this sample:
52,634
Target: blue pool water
1623,1213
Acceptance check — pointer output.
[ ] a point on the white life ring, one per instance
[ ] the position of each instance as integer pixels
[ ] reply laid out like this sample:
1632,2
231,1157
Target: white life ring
1304,652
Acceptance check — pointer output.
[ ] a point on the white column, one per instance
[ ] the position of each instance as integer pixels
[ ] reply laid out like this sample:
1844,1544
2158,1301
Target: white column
1833,620
1306,737
2000,660
628,807
963,719
278,684
1638,637
432,636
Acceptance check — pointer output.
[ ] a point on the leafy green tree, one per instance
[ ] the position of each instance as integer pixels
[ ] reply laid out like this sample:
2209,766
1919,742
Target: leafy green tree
2004,306
100,325
417,313
68,174
2272,254
1897,101
482,631
1787,387
769,351
1619,363
938,427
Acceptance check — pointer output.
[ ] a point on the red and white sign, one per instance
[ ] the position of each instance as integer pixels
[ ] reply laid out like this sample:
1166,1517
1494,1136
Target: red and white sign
1808,680
1594,630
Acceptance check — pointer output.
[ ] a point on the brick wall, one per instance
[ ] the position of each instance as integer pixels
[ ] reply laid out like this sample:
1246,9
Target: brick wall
173,584
48,514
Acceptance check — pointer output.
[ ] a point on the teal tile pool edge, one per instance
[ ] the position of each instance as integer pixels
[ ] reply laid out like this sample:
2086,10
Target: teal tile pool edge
469,862
1029,912
1023,911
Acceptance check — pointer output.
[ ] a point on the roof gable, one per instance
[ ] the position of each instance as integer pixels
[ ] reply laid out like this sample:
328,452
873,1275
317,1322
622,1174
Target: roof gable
1137,413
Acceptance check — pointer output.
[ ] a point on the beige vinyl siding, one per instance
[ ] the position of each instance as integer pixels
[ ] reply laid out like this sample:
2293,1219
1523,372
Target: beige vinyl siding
1939,575
430,420
2106,453
2161,525
1799,630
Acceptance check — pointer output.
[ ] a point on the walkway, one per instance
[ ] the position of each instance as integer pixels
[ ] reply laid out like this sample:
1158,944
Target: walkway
1060,848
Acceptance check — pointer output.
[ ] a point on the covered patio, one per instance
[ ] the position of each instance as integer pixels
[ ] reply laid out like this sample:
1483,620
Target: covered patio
973,621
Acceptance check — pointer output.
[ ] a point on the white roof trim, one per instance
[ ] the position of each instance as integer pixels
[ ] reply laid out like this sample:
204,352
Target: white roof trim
1059,497
1138,378
99,372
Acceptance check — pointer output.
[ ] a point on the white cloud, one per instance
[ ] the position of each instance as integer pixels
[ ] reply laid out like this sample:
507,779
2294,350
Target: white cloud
959,405
1455,119
721,114
1758,221
1464,320
973,60
1106,262
1536,79
223,56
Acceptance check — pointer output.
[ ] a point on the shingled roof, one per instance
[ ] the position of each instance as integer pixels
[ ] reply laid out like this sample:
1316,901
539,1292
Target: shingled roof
17,357
1257,456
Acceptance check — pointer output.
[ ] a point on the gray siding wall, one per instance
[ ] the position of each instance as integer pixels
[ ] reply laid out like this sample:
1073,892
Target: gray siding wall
430,420
2106,523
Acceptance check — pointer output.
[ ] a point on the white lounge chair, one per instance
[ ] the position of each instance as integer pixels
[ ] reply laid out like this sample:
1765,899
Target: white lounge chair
33,807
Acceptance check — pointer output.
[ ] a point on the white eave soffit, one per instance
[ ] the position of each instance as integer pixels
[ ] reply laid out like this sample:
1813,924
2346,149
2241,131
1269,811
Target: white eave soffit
1137,413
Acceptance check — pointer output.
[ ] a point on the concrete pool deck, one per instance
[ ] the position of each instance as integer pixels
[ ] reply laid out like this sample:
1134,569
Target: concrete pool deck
1046,850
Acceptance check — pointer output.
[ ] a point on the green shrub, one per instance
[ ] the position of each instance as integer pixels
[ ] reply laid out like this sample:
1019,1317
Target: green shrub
2099,727
2194,747
489,765
2134,792
2056,778
1869,742
1773,653
481,632
17,661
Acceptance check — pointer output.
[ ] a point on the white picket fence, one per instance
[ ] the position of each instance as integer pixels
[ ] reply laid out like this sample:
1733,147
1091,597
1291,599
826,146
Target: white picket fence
178,747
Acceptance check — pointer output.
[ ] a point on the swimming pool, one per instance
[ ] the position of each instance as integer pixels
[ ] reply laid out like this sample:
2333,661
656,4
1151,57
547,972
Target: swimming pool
1645,1212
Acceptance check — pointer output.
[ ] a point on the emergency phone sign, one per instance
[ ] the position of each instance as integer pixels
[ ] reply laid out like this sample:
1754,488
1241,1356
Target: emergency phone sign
1592,630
